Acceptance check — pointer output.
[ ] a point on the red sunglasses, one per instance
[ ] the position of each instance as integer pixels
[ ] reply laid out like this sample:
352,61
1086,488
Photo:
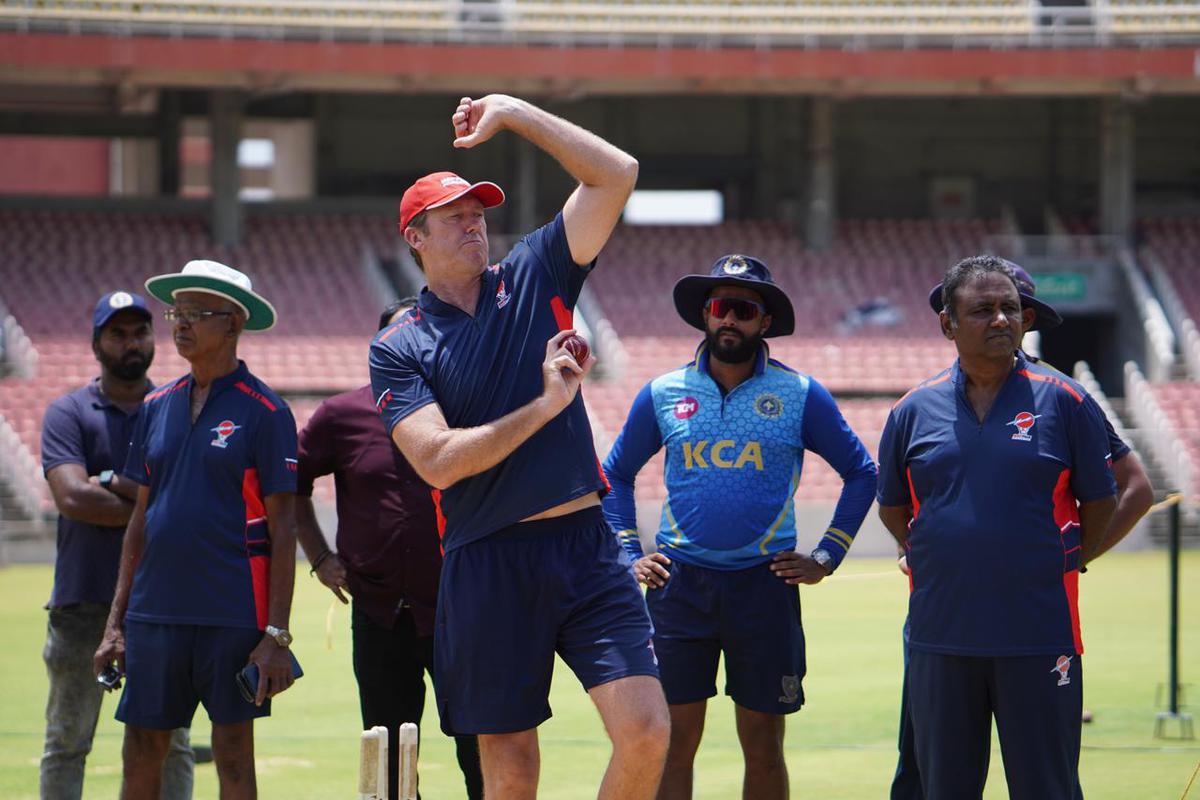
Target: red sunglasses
743,310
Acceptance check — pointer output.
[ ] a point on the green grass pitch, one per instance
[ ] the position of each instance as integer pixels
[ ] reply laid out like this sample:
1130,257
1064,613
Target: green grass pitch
841,745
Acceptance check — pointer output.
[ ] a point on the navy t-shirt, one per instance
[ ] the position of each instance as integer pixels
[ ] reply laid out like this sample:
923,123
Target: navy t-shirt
207,554
85,428
994,543
479,368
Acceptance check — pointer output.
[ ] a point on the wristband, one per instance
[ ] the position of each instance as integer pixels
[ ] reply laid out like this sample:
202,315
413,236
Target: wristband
319,560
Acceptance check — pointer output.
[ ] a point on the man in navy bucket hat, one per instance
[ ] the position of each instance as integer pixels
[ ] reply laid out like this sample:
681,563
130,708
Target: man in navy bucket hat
724,573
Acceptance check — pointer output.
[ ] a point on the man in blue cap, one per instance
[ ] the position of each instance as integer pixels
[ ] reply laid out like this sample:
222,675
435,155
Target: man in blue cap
85,435
723,577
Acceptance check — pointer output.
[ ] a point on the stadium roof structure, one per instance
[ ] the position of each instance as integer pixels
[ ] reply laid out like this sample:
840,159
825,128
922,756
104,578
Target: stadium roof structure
578,47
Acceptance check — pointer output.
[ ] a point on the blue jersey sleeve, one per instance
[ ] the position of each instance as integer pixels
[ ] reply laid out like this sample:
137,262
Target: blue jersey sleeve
824,431
1091,474
638,441
62,436
893,489
397,384
549,246
275,451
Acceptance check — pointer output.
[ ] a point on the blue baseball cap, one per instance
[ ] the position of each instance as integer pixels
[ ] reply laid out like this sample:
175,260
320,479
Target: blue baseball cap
115,302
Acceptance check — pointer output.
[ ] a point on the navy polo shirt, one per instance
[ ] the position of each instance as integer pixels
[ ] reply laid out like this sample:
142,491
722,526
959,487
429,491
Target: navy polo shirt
85,428
479,368
994,542
207,554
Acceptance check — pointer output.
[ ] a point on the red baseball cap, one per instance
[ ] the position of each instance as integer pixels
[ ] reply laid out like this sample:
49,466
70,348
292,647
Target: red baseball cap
438,189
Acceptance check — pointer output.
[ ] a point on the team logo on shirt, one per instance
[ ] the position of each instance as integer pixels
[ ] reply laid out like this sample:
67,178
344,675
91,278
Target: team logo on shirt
1023,422
768,406
1063,668
734,265
502,296
791,689
223,432
686,408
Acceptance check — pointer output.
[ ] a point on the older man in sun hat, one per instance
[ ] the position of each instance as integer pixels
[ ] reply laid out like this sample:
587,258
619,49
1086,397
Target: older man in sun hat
724,575
205,583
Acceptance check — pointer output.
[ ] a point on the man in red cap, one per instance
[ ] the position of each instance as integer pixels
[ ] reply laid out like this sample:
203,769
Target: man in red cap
479,394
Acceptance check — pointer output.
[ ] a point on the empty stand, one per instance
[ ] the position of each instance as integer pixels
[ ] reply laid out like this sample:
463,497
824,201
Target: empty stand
1176,243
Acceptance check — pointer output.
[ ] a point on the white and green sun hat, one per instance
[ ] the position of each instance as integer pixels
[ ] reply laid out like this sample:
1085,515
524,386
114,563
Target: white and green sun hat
211,277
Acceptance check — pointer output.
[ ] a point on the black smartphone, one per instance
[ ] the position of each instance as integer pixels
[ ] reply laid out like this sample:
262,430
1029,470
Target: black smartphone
110,677
247,678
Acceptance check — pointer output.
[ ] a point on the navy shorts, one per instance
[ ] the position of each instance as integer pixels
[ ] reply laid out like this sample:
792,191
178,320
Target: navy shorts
750,615
509,601
169,669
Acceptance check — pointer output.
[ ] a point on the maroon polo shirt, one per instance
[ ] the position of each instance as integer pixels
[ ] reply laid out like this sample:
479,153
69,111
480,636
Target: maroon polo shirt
387,529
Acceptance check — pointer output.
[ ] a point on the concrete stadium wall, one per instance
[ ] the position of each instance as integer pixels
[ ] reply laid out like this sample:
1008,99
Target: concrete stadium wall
1022,152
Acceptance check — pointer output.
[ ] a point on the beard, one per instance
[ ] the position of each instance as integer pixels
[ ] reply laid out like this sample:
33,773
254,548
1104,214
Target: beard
132,367
741,351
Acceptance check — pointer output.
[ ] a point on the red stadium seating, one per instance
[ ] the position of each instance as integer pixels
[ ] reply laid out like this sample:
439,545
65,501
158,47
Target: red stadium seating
1180,401
1176,242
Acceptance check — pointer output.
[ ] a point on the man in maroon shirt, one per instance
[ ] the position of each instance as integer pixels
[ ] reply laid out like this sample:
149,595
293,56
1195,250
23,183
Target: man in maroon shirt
388,558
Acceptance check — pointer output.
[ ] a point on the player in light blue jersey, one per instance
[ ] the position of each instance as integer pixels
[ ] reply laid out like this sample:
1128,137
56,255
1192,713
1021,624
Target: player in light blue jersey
725,571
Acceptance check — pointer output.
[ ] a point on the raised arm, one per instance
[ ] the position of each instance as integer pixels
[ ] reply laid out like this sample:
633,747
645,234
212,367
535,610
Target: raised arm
606,174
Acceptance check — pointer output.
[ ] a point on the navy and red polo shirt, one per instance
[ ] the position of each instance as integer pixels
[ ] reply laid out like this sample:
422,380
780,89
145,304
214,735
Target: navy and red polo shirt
994,544
479,367
207,554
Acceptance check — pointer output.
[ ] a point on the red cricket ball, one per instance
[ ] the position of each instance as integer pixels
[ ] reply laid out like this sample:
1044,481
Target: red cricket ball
577,346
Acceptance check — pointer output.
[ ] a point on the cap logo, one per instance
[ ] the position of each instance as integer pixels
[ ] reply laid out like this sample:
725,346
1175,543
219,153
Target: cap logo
120,300
454,180
734,265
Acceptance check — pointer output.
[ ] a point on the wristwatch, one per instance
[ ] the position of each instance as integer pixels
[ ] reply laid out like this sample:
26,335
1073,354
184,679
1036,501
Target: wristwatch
822,557
106,479
282,636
